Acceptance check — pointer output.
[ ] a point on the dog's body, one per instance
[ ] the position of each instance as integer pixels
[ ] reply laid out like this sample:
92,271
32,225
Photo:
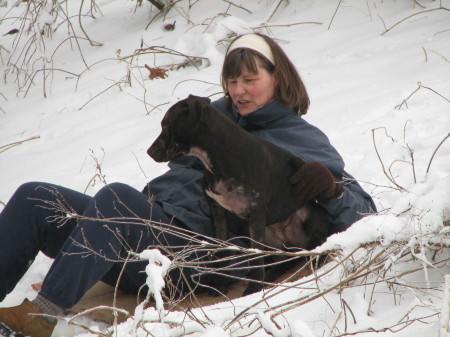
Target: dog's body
244,174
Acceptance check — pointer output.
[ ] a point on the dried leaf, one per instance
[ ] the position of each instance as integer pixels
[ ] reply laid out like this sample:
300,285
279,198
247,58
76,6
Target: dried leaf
156,72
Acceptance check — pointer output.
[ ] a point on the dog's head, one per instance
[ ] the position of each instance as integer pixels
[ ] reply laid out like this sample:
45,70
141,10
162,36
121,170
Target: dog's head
179,127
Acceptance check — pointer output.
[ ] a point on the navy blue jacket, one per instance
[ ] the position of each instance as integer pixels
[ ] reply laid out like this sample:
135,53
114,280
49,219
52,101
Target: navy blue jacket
180,193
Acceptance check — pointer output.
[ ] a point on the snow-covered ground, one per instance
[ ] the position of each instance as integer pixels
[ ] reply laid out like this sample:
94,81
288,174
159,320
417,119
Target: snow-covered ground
378,74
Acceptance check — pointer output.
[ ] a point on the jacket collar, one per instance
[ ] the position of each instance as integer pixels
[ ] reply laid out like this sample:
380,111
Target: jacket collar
263,116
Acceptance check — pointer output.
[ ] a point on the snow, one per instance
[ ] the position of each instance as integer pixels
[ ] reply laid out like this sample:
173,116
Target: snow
158,265
382,97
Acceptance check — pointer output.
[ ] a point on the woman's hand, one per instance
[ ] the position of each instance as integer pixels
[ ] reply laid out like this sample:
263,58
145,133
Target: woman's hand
315,181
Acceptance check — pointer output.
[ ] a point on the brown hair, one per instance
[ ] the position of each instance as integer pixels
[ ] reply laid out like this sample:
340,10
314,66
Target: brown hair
290,88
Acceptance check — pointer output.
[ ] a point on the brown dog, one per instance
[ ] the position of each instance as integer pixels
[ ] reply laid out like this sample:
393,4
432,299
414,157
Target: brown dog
245,175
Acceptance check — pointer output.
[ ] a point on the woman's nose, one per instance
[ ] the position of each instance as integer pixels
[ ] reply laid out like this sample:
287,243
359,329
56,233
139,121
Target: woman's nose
240,88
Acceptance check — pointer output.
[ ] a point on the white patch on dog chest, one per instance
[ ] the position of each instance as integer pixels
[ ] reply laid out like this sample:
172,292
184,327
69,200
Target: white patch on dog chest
202,155
228,195
232,199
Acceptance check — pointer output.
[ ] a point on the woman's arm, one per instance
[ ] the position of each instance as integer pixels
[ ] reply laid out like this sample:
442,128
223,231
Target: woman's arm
353,205
342,198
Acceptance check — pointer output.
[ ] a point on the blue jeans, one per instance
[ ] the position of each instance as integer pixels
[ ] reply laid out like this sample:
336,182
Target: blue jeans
85,250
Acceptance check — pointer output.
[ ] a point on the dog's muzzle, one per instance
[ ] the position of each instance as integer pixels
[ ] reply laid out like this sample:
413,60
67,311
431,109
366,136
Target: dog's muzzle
163,150
157,150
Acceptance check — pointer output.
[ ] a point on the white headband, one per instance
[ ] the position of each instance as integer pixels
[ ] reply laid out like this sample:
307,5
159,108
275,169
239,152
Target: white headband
254,42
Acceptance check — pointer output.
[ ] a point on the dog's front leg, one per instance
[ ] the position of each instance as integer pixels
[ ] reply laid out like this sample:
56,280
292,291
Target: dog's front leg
219,282
219,220
257,227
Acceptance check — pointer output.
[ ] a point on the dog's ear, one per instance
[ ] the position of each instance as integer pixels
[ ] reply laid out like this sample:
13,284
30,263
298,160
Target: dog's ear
199,98
197,105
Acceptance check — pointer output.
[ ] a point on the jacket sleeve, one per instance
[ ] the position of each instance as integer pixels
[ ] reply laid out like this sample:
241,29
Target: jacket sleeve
353,205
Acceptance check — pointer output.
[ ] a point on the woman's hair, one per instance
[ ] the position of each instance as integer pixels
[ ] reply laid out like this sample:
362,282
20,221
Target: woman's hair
290,88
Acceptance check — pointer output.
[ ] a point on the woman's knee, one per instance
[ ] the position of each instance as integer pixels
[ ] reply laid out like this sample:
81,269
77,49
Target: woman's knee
114,192
120,198
31,189
30,193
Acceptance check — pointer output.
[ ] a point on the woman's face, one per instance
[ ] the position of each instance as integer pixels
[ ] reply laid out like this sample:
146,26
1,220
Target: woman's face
250,91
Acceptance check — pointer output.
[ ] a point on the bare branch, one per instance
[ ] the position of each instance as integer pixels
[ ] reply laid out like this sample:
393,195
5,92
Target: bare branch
334,14
390,178
413,15
435,150
11,145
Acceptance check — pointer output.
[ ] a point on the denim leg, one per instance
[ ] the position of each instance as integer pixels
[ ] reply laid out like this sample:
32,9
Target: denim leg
111,227
29,223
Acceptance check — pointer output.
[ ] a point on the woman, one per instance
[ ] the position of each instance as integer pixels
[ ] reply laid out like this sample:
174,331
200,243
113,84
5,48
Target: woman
264,95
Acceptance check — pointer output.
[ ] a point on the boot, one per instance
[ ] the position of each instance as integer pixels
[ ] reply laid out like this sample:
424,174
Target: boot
21,319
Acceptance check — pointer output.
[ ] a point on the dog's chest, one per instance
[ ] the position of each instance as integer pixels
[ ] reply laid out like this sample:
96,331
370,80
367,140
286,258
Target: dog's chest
231,197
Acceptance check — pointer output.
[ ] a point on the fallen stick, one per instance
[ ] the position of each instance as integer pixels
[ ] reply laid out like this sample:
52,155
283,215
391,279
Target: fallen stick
8,146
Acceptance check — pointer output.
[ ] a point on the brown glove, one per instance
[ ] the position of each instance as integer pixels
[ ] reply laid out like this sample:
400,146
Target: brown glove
315,181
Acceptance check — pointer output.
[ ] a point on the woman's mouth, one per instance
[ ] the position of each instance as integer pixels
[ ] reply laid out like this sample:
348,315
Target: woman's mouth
243,102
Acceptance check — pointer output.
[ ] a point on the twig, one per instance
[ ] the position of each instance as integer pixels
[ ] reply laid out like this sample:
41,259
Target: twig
442,96
102,92
238,6
443,57
412,15
390,328
434,152
370,12
419,86
139,164
274,10
339,4
11,145
157,107
98,171
384,24
96,44
76,40
287,306
344,306
287,24
425,53
164,10
164,50
116,289
88,311
417,2
411,153
405,101
391,179
193,80
248,308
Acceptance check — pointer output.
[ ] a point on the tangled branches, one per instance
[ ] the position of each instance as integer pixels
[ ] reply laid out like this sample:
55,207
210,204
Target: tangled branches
34,48
380,265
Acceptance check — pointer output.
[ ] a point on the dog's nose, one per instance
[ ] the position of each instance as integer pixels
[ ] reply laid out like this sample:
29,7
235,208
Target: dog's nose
155,152
150,152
